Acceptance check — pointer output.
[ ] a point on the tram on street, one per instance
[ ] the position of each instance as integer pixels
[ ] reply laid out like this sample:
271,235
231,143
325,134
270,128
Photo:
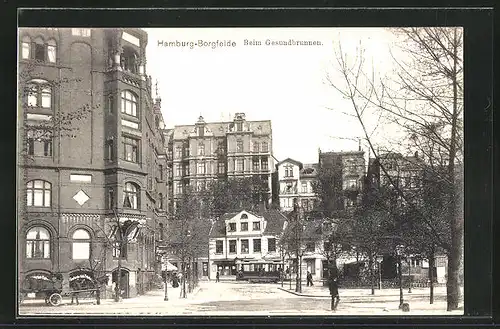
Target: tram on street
259,271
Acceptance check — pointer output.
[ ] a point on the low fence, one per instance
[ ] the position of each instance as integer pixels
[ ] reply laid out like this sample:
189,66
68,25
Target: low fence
364,284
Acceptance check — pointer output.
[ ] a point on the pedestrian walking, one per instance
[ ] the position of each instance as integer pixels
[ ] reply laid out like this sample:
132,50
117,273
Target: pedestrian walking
309,279
333,285
217,277
74,295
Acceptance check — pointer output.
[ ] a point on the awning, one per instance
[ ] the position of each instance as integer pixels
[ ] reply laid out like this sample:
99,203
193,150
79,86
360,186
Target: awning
169,267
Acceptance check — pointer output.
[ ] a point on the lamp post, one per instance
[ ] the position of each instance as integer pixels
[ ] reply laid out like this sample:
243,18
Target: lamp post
166,278
409,276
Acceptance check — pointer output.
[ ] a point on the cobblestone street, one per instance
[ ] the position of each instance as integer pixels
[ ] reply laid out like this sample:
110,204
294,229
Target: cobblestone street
241,298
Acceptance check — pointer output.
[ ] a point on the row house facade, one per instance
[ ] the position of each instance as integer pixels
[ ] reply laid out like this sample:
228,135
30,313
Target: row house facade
243,239
295,182
208,151
92,158
349,169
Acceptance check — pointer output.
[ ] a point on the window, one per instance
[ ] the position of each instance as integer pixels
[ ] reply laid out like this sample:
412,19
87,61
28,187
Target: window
201,149
178,170
26,48
39,51
232,246
256,146
111,198
39,94
178,152
244,246
310,247
51,51
264,163
160,171
201,168
311,266
130,196
130,149
244,227
289,188
81,32
119,250
232,227
129,61
81,244
221,167
220,148
255,164
38,243
271,244
129,103
304,187
288,171
305,204
240,165
39,142
110,104
160,197
239,126
256,226
239,146
256,245
244,216
110,149
178,188
219,247
265,147
38,193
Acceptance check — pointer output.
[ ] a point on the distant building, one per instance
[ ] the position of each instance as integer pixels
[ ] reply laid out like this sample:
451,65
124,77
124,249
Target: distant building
295,182
209,151
245,237
349,170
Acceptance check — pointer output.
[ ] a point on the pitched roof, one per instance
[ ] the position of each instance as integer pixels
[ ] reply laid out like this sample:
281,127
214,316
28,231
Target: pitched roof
290,160
220,129
275,221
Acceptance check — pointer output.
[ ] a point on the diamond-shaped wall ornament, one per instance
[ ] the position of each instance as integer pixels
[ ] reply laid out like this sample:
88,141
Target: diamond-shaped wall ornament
81,197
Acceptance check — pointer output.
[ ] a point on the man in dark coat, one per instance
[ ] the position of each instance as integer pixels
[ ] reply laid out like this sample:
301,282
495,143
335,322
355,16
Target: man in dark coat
309,279
333,285
217,277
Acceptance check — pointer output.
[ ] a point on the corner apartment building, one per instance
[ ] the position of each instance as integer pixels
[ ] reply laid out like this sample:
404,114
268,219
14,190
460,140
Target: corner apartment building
295,182
92,154
209,151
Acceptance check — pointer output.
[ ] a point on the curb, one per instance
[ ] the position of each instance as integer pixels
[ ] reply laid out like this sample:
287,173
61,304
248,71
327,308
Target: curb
356,299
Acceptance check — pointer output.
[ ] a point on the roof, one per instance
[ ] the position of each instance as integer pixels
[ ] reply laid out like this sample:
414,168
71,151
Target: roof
290,160
274,218
174,227
309,170
220,129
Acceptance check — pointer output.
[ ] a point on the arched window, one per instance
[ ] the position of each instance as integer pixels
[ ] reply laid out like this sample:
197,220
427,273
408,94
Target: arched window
51,51
38,193
81,244
38,243
131,196
129,103
26,48
244,216
160,196
129,60
39,49
39,94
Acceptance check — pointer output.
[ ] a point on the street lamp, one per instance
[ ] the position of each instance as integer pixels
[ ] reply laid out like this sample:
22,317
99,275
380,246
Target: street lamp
399,252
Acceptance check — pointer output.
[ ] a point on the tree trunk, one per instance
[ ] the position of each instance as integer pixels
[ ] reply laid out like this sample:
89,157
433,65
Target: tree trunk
431,276
372,278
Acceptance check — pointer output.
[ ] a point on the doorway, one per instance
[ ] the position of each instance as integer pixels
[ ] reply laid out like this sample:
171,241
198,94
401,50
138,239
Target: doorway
124,282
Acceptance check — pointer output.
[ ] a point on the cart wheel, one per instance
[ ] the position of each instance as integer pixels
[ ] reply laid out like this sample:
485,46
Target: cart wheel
55,299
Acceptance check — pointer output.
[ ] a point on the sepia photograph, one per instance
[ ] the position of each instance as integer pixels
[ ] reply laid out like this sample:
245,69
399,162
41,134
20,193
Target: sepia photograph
240,171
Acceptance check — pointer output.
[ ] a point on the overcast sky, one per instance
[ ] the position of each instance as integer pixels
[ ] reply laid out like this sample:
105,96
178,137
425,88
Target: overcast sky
284,84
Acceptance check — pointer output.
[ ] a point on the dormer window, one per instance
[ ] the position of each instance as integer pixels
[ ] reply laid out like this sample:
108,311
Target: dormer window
239,126
232,227
256,226
129,60
244,216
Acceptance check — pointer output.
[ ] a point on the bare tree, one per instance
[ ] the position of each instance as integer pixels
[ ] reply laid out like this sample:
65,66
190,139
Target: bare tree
424,99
